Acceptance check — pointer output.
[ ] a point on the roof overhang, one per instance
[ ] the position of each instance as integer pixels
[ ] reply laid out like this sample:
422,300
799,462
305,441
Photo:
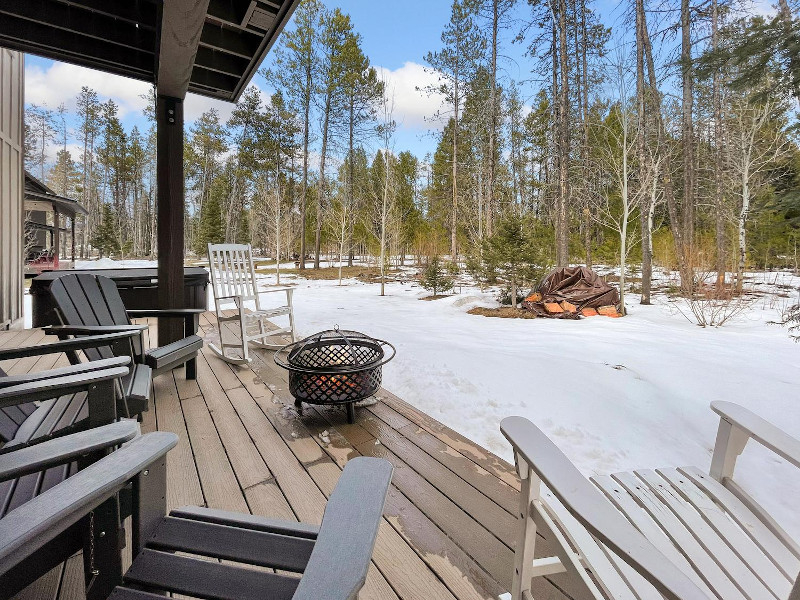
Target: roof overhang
38,196
48,202
208,47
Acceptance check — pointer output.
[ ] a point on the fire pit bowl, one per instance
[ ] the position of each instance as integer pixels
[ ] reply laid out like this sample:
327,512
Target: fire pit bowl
334,367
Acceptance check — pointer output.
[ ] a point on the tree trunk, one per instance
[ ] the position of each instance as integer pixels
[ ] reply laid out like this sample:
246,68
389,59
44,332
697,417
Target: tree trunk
718,195
490,204
454,220
742,222
687,275
350,185
384,210
321,190
304,190
687,132
562,204
647,257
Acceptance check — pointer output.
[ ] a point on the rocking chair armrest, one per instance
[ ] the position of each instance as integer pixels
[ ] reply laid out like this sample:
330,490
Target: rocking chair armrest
29,527
349,528
735,418
56,387
277,289
60,330
65,449
588,505
69,345
87,367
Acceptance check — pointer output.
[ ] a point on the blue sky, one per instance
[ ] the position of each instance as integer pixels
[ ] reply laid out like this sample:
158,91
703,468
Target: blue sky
396,37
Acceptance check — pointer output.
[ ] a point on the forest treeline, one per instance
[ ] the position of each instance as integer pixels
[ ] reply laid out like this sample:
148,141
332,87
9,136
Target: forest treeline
669,138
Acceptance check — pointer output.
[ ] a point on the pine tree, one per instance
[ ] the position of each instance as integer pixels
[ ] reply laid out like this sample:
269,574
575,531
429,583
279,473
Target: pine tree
295,69
211,229
436,277
105,238
456,62
516,253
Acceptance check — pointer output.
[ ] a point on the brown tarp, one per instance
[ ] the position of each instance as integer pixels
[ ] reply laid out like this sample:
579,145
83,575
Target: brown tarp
577,285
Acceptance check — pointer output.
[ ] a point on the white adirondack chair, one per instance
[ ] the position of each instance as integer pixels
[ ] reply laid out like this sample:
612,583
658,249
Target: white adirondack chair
679,534
233,280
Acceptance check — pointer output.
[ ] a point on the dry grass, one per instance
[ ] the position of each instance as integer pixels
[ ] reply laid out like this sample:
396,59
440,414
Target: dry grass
436,297
503,312
366,274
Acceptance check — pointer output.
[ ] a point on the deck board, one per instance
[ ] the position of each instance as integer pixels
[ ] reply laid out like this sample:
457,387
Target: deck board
449,525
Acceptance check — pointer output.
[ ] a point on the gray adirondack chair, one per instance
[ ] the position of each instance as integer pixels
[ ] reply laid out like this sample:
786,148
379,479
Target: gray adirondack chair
30,415
48,463
333,559
679,534
90,304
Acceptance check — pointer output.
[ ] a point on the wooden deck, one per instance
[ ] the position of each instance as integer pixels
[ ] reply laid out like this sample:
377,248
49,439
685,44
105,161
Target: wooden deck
449,527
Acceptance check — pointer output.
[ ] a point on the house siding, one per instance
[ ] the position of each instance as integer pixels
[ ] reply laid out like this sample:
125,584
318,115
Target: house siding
12,106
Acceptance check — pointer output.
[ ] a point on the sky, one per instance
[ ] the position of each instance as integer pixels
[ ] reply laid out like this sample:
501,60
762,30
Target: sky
395,36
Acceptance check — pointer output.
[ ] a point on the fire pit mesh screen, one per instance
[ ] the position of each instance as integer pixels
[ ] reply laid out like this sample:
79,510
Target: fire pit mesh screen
333,389
334,366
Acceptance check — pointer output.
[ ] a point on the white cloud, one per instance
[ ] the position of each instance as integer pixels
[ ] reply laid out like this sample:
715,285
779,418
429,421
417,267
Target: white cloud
763,8
413,107
61,82
195,105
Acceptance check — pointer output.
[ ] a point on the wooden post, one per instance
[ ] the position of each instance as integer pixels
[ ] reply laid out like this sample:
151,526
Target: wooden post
170,200
56,236
72,253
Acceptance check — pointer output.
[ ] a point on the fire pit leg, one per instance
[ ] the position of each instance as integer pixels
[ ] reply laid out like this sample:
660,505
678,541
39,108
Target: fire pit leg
351,412
298,404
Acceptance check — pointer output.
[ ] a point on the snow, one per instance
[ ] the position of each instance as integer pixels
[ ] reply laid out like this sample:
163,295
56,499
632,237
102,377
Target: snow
108,263
613,394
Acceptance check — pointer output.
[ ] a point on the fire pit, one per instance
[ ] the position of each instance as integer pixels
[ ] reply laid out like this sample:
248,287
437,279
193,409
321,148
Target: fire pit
334,367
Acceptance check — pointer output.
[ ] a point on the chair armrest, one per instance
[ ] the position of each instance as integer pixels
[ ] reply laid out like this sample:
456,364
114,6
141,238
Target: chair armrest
92,329
88,367
29,527
190,316
349,528
57,386
62,450
588,505
166,312
737,425
70,345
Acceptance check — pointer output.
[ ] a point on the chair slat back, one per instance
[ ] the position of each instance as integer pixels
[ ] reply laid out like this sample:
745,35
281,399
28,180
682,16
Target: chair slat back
11,418
87,299
232,272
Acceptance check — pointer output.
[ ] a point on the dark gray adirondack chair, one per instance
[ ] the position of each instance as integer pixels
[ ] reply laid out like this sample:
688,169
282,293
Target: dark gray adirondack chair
90,304
132,392
57,455
38,406
333,558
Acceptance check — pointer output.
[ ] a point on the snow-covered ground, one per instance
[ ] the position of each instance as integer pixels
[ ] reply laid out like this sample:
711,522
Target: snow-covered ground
614,394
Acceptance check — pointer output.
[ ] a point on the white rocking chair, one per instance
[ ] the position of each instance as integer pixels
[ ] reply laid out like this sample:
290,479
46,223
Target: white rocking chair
233,280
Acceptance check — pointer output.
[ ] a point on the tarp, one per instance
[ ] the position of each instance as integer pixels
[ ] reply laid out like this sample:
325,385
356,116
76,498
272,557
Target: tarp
579,286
